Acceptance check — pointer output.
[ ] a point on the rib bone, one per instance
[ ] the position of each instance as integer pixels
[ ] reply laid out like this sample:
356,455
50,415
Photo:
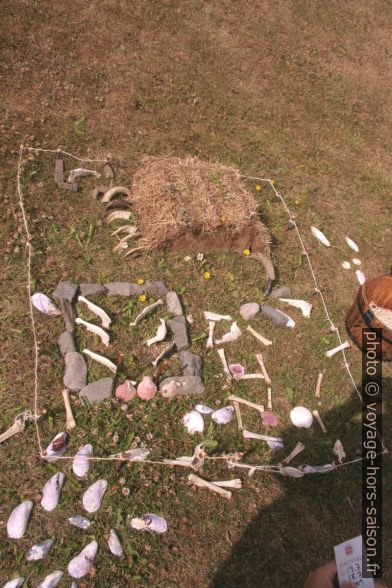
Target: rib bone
258,407
238,415
221,353
97,310
260,359
258,336
320,422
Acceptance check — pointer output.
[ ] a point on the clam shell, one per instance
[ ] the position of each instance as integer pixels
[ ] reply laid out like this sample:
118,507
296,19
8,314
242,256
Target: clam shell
194,422
80,464
114,544
80,565
51,492
44,304
16,583
223,415
301,417
17,522
147,388
80,522
39,550
93,496
150,522
52,580
57,447
204,409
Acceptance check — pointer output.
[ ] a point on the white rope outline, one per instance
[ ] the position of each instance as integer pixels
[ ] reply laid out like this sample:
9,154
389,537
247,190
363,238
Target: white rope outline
266,467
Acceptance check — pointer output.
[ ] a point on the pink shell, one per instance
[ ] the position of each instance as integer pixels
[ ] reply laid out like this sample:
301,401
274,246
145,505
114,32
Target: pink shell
236,369
147,388
269,419
126,391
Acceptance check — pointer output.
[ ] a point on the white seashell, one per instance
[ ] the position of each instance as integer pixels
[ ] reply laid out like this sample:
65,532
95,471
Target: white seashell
39,550
213,316
17,583
301,417
97,310
114,544
346,265
101,359
305,307
194,422
44,304
80,522
52,455
148,310
80,172
339,451
80,464
360,277
356,261
160,334
52,580
232,335
203,409
150,522
51,492
93,496
320,236
223,415
18,519
80,565
352,244
94,329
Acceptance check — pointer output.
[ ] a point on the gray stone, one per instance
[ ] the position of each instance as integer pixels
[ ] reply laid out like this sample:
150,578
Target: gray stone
173,304
98,391
123,289
65,291
191,363
92,289
68,312
153,288
282,292
108,171
189,385
66,342
67,186
59,171
249,310
178,326
278,317
75,376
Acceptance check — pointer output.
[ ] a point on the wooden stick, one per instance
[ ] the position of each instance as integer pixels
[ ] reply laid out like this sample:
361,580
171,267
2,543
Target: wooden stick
238,415
260,359
320,422
258,407
318,385
70,421
258,336
204,484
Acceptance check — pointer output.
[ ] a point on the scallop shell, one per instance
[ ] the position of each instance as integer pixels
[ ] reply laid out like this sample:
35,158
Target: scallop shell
51,492
223,415
93,496
52,580
39,550
194,422
57,447
17,522
147,388
17,583
80,522
44,304
114,544
301,417
204,409
80,565
81,464
150,522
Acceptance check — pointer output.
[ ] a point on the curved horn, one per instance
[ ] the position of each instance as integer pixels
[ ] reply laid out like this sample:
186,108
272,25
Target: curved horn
269,270
112,192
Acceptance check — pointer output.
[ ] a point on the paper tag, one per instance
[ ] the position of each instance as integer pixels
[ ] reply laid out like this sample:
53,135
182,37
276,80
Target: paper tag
348,556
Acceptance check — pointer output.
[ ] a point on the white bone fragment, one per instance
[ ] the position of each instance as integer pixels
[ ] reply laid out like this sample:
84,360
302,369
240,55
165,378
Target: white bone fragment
123,243
258,407
291,472
323,469
195,461
346,265
249,377
320,236
339,451
360,277
237,483
148,310
332,352
17,427
269,399
128,229
213,316
112,192
304,306
98,311
260,360
165,352
81,172
258,336
320,422
249,435
238,415
352,244
318,385
118,215
160,334
234,333
296,451
210,340
70,420
101,359
356,261
221,353
132,455
210,485
133,251
94,329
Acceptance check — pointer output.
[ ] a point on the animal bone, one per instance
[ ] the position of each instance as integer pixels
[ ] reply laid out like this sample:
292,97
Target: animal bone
160,334
123,243
352,244
112,192
305,307
320,422
80,172
118,215
238,415
296,451
95,329
346,264
101,359
97,310
258,407
195,462
260,360
148,310
320,236
332,352
258,336
234,333
221,353
249,377
211,486
237,483
17,427
249,435
210,340
132,455
165,352
213,316
323,469
339,451
129,229
318,385
70,420
118,203
356,261
133,251
291,472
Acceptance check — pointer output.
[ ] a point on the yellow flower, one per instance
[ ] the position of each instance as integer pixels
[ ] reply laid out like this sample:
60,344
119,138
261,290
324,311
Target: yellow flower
258,187
207,275
246,252
296,201
140,281
272,182
222,219
142,297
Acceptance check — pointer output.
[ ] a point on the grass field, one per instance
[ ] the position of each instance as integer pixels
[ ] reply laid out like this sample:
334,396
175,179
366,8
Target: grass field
296,91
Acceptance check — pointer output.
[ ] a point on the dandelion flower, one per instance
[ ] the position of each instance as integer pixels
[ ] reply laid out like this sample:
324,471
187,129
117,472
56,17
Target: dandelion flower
207,275
222,219
140,281
142,297
246,252
258,188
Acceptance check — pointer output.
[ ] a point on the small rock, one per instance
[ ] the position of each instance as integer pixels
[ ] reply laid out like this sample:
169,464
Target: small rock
68,312
178,326
75,376
92,289
66,342
108,171
191,363
123,289
173,304
249,310
188,385
65,291
278,317
98,391
282,292
153,288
